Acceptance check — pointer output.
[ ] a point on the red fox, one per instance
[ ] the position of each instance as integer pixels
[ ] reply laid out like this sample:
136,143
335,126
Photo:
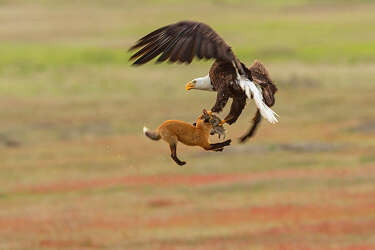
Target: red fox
173,131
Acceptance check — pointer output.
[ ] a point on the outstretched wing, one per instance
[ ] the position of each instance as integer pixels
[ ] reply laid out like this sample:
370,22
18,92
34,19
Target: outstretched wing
180,42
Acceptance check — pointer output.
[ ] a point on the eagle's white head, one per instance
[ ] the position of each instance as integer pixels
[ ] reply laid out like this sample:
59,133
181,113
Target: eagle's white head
202,83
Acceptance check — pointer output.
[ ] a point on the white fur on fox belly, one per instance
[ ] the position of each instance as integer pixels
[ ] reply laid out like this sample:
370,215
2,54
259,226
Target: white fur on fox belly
248,86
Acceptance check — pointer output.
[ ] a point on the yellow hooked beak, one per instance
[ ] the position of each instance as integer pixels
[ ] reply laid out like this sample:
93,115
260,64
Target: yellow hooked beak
189,85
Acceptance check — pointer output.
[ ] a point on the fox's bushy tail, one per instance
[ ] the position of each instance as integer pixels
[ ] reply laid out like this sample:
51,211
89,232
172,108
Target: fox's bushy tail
152,135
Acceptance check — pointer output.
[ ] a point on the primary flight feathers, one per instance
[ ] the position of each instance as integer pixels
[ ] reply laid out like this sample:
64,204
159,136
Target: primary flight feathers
180,42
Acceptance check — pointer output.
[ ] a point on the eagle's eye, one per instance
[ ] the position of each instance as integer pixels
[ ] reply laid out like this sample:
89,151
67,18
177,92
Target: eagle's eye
194,81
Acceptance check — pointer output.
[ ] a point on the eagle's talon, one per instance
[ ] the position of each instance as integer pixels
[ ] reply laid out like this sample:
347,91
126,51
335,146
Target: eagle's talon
222,122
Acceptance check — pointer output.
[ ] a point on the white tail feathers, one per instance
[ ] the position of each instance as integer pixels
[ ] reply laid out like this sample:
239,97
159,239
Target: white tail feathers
250,88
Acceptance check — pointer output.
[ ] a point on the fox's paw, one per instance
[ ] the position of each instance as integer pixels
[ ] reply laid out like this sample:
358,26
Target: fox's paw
227,142
219,150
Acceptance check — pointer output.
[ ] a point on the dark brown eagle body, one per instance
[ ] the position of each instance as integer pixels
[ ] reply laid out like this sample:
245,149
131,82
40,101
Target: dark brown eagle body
223,77
181,41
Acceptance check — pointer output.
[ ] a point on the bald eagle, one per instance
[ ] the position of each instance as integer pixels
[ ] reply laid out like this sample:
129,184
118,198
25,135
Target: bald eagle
230,78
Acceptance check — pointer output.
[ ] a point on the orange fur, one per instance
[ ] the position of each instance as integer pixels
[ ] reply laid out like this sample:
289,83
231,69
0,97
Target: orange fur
174,131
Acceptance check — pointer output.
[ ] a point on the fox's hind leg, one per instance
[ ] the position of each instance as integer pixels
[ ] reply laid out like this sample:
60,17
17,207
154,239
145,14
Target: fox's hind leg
173,147
172,140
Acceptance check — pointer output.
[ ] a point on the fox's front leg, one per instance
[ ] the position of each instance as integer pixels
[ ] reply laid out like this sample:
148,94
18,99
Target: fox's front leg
173,147
217,146
218,150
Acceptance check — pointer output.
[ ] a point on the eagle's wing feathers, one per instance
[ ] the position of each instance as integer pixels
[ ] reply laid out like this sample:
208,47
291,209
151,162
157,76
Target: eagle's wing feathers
180,42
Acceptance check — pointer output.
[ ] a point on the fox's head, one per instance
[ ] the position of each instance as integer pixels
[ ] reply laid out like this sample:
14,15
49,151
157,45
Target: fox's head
212,122
205,119
206,116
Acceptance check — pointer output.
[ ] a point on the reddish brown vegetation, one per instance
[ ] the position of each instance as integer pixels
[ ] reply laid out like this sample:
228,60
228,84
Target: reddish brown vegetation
67,244
195,180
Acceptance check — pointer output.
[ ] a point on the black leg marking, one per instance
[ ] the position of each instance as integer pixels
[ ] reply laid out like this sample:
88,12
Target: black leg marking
173,148
218,150
215,146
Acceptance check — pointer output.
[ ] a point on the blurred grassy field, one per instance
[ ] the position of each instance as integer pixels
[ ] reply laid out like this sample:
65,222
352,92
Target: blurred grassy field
76,172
